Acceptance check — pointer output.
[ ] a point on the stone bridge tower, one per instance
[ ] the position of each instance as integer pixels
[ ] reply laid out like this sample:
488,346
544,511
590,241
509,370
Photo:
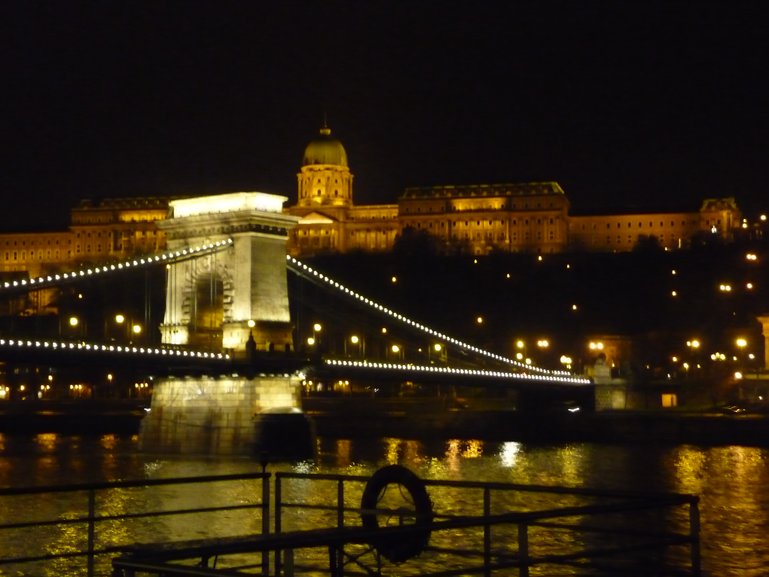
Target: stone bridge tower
218,300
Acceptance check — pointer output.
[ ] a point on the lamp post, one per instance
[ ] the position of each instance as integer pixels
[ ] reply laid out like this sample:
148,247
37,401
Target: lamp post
136,331
313,341
741,343
74,327
395,351
520,350
438,351
542,345
357,344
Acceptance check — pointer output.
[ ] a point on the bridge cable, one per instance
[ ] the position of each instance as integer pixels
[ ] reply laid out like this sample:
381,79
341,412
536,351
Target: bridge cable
170,256
298,267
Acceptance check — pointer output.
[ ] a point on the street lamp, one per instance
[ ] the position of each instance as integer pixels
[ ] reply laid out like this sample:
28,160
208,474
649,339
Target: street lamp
520,349
741,343
396,351
437,350
314,340
358,343
75,327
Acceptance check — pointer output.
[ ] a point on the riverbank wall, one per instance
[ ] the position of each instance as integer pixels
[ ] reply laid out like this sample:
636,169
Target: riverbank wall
420,421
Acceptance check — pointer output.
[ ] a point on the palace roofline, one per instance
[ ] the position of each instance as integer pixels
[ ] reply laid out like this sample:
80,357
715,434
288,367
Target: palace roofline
498,189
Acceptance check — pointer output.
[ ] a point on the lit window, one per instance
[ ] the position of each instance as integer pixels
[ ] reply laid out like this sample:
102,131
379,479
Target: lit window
669,400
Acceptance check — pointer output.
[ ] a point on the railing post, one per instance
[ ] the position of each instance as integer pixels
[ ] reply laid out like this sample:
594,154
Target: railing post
91,530
523,549
278,521
486,532
265,520
694,536
339,551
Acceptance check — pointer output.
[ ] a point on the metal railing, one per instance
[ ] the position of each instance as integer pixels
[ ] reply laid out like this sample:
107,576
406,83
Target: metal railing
514,539
86,525
474,528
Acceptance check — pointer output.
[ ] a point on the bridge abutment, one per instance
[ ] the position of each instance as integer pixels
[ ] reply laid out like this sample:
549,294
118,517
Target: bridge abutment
227,415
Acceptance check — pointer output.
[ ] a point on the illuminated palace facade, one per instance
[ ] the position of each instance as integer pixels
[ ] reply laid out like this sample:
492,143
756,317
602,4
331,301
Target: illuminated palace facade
477,219
110,229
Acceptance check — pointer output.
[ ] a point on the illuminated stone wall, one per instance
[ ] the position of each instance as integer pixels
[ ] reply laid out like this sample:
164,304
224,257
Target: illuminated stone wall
325,185
621,232
526,217
208,415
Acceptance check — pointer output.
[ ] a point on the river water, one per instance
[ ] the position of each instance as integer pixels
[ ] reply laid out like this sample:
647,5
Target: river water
731,481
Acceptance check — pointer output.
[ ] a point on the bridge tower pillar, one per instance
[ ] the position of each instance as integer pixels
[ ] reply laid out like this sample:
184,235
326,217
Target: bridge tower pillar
220,300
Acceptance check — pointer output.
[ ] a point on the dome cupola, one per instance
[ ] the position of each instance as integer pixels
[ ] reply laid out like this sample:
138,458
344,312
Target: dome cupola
325,149
324,178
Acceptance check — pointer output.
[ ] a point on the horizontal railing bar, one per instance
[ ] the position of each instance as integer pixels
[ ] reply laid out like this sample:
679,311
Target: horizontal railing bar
479,569
529,517
171,512
609,530
104,518
321,476
501,486
46,557
170,569
313,538
127,484
599,552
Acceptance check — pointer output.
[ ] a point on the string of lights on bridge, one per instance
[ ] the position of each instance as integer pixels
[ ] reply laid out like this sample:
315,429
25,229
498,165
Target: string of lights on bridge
457,371
101,348
168,256
300,266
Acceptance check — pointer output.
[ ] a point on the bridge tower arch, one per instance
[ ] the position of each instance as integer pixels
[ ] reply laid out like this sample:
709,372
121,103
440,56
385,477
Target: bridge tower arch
222,299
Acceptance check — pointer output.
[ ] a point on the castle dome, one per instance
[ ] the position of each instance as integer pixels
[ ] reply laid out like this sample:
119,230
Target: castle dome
325,149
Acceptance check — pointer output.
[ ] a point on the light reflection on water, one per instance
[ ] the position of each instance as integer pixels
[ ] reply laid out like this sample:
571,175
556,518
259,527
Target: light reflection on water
730,481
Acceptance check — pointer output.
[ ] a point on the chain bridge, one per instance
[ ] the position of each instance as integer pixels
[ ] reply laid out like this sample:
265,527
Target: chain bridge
228,348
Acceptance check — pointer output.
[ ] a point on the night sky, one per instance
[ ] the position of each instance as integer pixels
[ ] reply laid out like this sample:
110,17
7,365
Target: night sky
629,105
